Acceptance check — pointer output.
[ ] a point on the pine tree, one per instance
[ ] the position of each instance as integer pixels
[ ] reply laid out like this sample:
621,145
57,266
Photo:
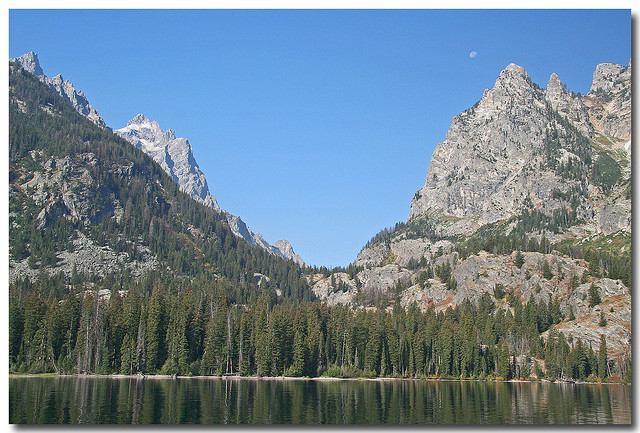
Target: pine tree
603,361
546,271
594,296
155,340
504,364
298,366
16,326
519,259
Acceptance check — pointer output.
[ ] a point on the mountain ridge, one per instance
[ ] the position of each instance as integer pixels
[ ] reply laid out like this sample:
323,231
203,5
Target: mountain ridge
84,200
174,154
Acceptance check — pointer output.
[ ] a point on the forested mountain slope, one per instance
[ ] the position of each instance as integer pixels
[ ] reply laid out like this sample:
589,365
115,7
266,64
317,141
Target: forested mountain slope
95,222
77,189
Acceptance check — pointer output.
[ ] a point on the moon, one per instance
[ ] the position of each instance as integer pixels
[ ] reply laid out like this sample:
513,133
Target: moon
472,54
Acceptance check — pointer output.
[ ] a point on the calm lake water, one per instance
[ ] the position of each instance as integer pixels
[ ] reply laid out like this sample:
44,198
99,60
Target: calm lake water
239,401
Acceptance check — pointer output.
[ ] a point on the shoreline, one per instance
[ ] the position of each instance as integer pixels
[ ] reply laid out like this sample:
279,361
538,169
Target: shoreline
286,378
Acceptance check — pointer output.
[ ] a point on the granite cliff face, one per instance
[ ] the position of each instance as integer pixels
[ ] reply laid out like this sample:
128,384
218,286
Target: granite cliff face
76,98
526,165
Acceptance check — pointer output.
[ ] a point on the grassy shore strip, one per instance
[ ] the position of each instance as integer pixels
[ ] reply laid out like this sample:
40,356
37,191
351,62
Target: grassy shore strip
320,378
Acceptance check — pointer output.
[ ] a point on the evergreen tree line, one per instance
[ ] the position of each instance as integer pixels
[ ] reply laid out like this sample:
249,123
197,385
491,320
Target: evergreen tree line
151,329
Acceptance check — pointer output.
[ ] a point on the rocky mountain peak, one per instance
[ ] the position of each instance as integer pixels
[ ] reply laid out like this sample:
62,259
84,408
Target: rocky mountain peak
513,89
174,155
286,251
30,63
568,105
513,77
492,162
139,119
64,88
478,171
555,84
609,100
170,134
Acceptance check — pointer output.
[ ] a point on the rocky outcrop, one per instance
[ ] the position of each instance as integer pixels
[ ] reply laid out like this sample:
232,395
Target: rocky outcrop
64,88
589,325
30,63
85,257
401,251
338,289
609,100
66,188
568,105
286,250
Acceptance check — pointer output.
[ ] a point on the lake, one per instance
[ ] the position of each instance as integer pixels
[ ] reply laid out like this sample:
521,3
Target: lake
99,400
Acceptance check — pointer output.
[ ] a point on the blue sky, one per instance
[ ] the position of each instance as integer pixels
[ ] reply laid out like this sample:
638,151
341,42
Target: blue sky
314,126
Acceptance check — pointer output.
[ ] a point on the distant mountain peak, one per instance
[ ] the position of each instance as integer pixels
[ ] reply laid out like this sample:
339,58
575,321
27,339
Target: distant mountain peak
286,251
138,119
513,74
175,156
610,78
513,68
170,134
554,81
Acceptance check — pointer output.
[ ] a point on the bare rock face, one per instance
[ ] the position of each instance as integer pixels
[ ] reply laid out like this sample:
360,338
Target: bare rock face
76,98
379,280
30,63
568,105
64,187
338,289
286,250
588,324
401,251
